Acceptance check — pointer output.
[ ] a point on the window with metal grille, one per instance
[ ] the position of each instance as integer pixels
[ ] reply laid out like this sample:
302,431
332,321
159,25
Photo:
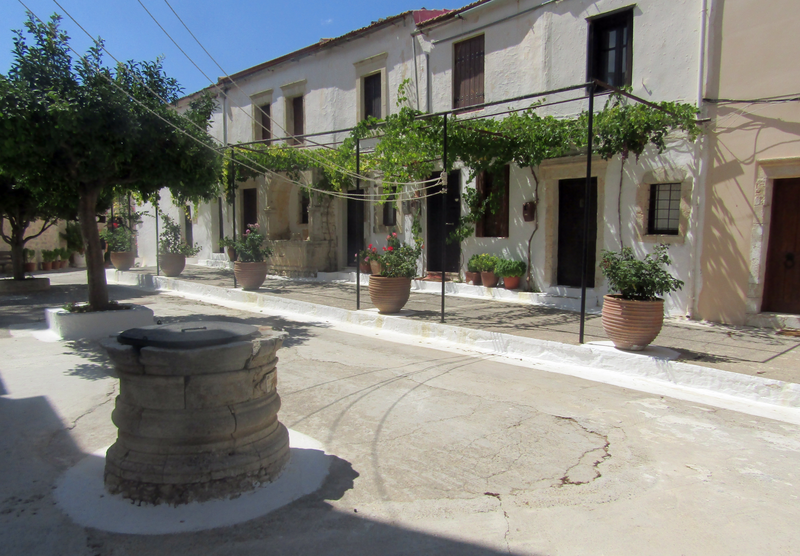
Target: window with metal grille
611,48
389,212
298,124
494,222
265,129
372,96
665,209
468,73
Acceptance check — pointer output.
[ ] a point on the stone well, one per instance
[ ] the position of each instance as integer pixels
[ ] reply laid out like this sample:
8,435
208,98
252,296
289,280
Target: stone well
197,412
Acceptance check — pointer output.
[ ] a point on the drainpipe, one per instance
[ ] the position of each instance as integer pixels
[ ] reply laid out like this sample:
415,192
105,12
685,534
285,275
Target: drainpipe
416,69
701,55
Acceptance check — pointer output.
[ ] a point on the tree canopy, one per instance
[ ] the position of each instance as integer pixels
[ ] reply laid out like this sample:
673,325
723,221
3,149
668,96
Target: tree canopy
78,132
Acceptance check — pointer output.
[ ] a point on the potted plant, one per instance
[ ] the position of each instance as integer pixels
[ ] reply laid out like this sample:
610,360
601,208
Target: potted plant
29,256
64,254
72,235
633,317
252,251
510,271
230,247
173,250
365,258
485,265
389,290
473,274
120,244
48,256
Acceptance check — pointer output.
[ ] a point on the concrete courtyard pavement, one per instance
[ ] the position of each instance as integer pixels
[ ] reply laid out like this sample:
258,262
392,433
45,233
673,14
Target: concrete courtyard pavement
433,452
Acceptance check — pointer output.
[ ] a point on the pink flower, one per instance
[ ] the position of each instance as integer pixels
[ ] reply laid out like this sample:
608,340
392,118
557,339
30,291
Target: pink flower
246,232
391,248
394,234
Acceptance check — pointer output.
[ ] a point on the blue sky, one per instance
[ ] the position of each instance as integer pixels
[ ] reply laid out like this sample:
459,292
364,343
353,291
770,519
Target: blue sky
237,33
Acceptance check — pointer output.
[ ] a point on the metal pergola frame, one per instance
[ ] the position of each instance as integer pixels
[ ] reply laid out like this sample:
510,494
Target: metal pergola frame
591,87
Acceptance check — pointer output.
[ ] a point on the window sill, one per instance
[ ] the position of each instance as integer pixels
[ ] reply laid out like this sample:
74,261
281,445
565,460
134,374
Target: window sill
664,238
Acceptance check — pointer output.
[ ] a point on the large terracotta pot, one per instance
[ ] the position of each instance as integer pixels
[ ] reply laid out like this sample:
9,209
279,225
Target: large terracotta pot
472,278
172,264
122,260
489,279
389,295
511,282
250,275
632,324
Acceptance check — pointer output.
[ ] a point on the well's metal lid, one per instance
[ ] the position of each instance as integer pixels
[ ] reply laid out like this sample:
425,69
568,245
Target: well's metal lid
188,335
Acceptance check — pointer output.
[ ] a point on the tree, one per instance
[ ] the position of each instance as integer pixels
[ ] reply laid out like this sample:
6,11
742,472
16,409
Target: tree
79,133
20,208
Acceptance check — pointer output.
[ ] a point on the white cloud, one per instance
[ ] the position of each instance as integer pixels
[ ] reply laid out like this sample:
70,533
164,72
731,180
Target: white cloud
326,21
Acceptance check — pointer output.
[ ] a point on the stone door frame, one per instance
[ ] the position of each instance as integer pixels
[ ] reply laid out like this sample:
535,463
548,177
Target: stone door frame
767,171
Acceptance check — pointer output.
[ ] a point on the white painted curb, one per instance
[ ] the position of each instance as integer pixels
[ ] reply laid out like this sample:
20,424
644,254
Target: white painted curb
651,364
82,326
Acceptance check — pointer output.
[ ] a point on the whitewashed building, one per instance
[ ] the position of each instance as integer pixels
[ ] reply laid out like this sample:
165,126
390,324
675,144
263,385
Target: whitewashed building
486,52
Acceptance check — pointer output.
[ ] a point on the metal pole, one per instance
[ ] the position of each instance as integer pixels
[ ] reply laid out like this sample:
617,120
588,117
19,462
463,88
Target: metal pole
232,180
361,224
443,215
586,202
158,261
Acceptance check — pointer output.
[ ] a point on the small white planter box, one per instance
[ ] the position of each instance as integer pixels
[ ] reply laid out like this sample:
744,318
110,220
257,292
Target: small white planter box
100,324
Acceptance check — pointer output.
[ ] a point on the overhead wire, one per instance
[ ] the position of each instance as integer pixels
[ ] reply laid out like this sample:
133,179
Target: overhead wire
322,162
201,143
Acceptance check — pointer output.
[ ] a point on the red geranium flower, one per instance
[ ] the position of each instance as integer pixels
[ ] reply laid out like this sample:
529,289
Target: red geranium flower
391,248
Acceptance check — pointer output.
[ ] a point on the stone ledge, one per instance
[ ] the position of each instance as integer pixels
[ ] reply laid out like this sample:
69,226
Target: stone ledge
29,285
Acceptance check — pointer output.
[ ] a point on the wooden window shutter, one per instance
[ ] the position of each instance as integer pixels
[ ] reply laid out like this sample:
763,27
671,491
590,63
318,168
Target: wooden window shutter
480,187
266,122
502,215
372,96
468,72
299,125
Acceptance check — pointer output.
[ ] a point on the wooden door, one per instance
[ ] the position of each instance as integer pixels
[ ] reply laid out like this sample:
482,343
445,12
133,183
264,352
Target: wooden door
571,202
249,207
445,208
782,280
355,227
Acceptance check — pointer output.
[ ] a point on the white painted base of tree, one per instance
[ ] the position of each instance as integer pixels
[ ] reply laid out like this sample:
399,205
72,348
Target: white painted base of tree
100,324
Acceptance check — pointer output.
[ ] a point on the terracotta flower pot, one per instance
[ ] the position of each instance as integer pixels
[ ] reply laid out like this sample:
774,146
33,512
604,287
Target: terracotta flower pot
29,267
472,278
172,264
389,295
511,282
231,253
250,275
632,324
122,260
365,268
375,266
489,279
47,265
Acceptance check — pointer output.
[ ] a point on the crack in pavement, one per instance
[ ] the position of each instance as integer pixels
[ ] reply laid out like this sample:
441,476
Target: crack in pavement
565,480
505,516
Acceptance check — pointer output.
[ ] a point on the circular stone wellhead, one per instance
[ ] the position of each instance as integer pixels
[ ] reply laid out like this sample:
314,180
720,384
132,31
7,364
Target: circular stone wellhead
197,412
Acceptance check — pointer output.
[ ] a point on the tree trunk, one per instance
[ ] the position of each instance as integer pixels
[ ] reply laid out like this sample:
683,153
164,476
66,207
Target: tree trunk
17,254
95,265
